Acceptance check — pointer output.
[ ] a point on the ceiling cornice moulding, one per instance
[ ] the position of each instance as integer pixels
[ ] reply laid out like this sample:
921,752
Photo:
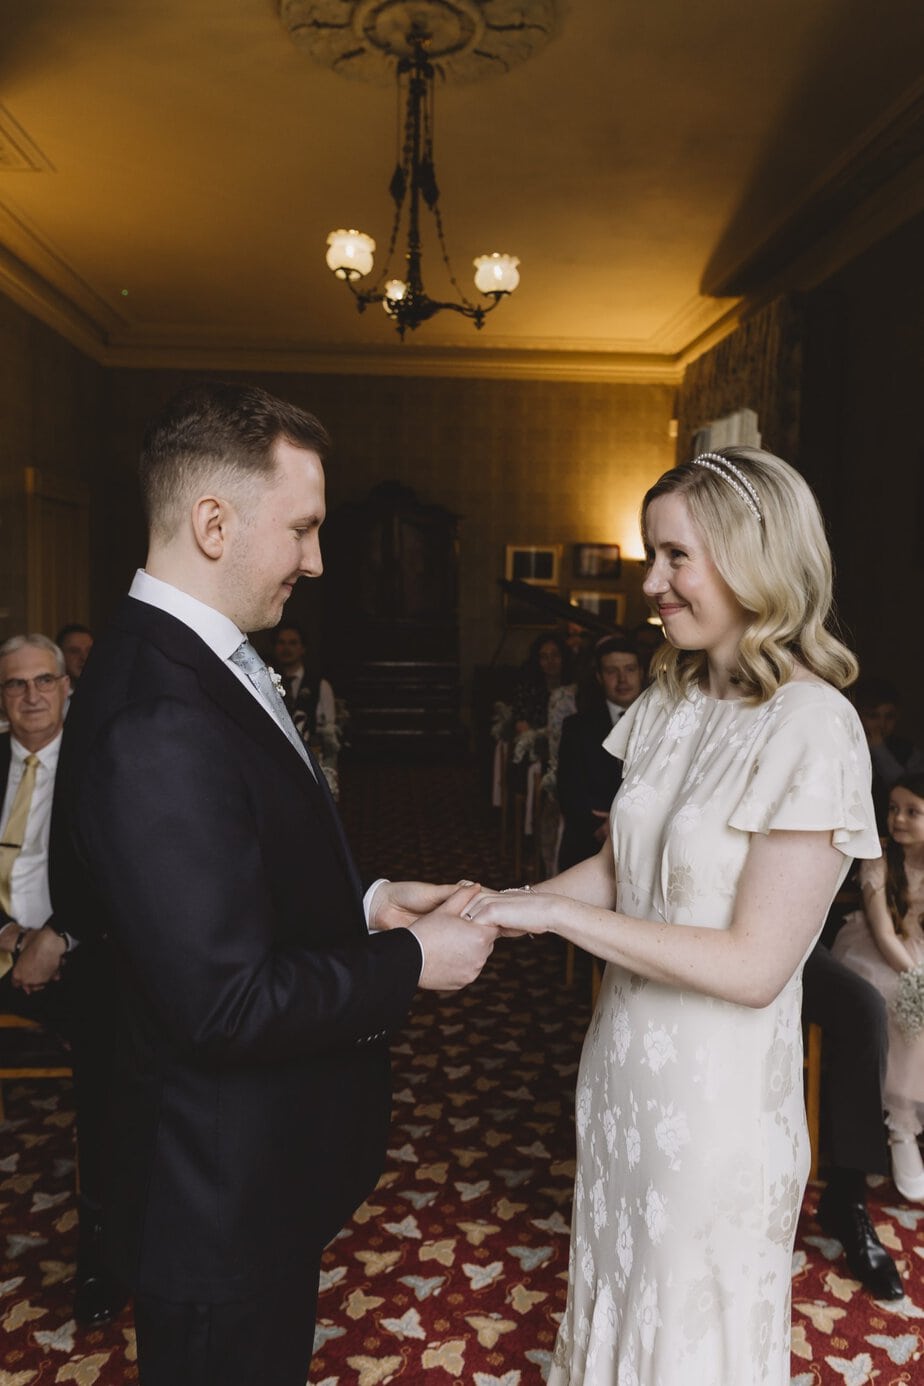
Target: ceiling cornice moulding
461,363
882,167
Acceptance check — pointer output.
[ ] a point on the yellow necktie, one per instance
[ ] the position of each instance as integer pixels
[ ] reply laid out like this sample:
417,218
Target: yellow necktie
14,830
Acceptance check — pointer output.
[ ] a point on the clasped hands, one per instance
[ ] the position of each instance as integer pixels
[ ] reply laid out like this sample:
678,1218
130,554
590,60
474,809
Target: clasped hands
457,925
402,904
40,956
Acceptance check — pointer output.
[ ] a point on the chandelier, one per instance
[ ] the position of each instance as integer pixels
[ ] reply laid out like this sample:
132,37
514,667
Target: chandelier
350,253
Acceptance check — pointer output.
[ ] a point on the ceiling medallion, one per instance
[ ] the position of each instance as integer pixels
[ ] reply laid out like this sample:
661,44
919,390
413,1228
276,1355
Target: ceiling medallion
467,39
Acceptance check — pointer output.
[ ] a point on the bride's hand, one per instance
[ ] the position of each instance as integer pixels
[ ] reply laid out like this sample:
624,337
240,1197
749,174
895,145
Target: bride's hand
519,911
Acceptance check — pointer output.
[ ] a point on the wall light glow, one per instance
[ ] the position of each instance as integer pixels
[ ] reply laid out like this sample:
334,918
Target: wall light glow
623,526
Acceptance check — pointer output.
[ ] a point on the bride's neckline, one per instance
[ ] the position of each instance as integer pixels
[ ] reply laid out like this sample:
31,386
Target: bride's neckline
802,677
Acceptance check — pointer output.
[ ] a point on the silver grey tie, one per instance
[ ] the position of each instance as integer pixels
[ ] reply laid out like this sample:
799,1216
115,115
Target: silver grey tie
250,663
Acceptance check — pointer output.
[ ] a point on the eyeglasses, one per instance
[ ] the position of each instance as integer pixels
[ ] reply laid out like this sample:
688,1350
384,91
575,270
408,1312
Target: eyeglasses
42,683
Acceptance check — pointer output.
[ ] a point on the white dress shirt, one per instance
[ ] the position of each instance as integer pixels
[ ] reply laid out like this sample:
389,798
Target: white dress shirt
615,711
212,627
30,897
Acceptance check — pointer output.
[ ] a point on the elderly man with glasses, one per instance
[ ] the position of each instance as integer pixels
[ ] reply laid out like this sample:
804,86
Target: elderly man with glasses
43,976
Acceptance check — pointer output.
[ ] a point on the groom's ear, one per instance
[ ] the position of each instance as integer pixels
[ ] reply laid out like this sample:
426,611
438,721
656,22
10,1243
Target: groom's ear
211,521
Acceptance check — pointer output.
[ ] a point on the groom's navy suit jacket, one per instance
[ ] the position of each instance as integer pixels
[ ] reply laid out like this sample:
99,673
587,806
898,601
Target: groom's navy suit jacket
252,1093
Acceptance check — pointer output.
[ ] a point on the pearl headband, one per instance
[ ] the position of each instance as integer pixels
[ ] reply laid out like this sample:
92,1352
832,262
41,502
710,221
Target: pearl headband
745,488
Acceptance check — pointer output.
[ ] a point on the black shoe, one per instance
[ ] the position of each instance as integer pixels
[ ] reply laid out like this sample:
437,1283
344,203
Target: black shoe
97,1300
869,1262
97,1297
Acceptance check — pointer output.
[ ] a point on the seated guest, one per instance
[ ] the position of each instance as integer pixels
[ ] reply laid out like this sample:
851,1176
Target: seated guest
892,754
43,977
580,642
884,944
309,698
647,637
546,667
855,1043
588,777
75,643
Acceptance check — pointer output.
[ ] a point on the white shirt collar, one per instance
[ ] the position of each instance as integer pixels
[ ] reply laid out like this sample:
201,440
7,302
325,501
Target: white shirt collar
48,755
615,711
217,630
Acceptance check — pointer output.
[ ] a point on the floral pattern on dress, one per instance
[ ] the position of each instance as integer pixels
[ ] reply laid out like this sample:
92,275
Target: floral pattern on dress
690,1117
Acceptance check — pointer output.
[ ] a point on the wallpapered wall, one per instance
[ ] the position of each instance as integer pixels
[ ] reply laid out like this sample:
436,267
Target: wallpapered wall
758,367
521,462
50,418
835,377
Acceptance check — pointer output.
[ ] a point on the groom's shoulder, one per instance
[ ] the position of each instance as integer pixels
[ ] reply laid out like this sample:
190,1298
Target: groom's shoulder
144,650
141,659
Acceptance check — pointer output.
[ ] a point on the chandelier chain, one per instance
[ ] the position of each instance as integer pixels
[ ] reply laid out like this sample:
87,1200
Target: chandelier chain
414,188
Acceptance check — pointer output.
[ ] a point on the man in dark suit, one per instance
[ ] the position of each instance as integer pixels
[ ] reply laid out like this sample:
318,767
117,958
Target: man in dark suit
43,976
588,776
252,1099
309,698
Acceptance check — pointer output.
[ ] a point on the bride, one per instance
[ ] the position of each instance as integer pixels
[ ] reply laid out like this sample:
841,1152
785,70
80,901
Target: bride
745,795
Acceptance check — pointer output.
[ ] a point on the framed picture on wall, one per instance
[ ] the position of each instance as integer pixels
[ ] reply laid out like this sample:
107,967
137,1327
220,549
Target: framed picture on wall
539,564
597,561
609,606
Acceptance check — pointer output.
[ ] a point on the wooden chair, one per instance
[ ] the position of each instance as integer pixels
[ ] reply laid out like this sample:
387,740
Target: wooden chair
812,1068
596,979
500,792
27,1060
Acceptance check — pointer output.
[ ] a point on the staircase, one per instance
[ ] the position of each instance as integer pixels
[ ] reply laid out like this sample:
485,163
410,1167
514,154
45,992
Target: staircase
406,707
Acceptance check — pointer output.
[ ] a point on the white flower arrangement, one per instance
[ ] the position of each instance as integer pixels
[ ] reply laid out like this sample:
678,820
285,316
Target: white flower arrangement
908,1005
549,782
277,682
502,722
531,745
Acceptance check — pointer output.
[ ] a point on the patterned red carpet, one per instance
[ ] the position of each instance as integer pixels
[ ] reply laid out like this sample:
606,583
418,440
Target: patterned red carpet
455,1267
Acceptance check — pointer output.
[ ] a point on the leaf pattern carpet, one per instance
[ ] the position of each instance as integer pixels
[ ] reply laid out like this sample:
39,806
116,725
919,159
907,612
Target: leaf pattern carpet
454,1268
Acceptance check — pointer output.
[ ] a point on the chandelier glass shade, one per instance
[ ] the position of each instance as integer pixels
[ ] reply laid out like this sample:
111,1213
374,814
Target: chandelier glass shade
350,253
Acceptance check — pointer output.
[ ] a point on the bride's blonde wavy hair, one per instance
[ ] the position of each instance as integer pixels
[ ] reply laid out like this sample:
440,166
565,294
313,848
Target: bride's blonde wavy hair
779,568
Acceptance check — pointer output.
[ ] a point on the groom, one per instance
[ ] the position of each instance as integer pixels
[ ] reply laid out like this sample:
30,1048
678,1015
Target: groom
254,1007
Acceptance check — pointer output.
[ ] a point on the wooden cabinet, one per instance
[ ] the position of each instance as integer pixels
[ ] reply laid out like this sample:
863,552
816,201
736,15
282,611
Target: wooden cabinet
391,634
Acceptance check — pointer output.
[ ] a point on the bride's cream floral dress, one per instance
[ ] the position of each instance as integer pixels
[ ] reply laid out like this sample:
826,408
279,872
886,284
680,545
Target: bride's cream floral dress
692,1145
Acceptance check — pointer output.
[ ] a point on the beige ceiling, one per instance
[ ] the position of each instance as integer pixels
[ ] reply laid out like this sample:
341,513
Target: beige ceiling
169,172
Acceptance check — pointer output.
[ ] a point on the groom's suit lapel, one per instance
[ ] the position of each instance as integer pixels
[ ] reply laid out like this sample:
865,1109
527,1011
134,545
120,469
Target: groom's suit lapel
178,643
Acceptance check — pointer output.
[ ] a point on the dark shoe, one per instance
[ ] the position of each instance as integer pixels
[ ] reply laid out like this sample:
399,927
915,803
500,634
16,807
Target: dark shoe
97,1297
869,1262
97,1300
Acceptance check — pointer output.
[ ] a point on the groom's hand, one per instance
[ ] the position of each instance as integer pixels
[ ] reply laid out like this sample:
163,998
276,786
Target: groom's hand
397,904
455,949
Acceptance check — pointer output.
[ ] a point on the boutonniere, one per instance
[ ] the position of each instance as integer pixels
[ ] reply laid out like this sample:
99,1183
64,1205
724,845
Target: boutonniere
277,681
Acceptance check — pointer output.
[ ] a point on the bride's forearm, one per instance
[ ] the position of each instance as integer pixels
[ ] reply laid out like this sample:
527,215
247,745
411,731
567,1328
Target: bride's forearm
783,895
592,881
691,958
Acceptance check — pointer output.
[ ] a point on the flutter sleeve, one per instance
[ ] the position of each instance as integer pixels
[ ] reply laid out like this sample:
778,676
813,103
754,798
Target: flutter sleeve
811,773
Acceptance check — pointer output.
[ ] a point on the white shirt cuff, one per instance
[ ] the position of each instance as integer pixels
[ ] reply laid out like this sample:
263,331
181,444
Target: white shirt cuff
367,900
367,912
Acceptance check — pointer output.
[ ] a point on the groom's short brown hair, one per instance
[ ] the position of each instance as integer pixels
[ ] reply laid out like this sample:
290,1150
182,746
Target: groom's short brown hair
218,435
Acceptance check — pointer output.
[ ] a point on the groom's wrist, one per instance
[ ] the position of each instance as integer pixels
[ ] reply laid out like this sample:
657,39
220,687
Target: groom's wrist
368,902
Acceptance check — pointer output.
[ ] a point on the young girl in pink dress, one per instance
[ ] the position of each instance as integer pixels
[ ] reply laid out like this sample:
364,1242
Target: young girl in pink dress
882,942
